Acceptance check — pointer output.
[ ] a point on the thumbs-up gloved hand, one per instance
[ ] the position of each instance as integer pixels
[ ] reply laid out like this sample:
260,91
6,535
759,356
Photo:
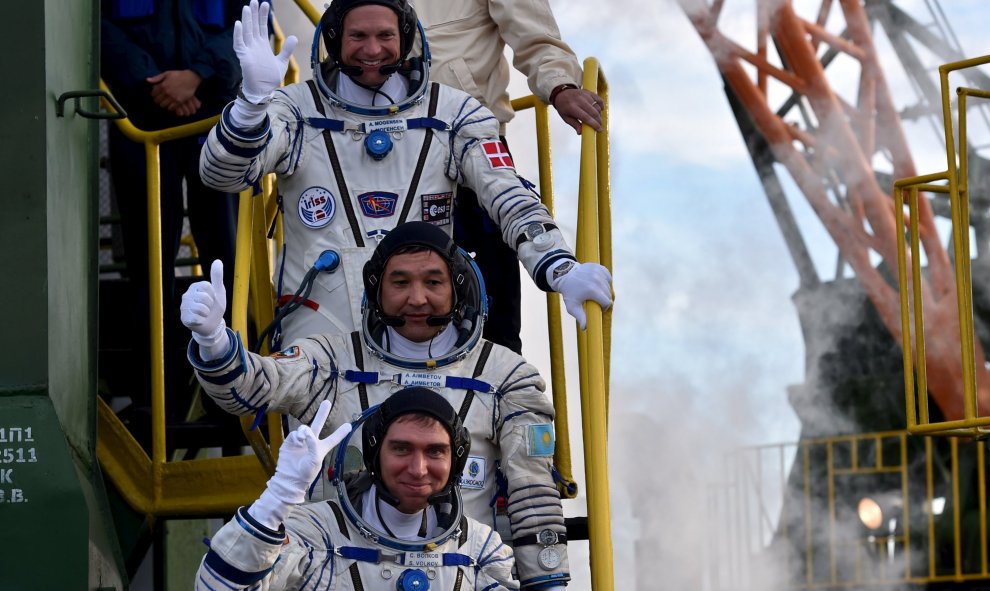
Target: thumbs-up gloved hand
300,460
202,310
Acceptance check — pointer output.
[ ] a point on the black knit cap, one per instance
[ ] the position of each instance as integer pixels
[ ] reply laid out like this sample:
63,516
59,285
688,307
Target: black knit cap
425,235
332,24
418,400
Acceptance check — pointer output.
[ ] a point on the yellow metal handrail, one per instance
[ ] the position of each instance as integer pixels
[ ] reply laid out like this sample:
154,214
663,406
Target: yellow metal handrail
926,484
594,232
154,485
911,292
594,244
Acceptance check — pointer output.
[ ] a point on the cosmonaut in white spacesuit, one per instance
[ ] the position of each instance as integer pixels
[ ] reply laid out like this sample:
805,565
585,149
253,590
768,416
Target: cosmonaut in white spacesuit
365,146
422,325
396,525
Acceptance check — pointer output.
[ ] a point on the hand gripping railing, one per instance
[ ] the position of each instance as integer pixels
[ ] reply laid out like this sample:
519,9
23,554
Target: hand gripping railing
594,245
975,392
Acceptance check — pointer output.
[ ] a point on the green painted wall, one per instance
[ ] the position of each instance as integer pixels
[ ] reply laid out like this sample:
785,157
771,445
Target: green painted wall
71,62
52,501
22,161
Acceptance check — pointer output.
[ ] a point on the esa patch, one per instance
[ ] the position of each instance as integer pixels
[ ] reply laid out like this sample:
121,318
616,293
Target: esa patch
378,204
436,208
541,441
316,207
497,154
290,353
474,473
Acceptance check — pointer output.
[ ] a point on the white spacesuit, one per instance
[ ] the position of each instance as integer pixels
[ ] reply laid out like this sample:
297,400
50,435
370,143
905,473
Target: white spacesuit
499,396
364,539
350,170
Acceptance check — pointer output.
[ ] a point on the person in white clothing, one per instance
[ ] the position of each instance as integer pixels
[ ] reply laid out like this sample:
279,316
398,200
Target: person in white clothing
367,145
422,325
397,524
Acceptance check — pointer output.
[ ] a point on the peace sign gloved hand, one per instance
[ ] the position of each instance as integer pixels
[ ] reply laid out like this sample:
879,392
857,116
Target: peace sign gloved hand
300,460
261,69
583,282
202,310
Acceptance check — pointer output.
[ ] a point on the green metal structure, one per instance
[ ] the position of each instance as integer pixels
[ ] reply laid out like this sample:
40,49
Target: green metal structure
53,504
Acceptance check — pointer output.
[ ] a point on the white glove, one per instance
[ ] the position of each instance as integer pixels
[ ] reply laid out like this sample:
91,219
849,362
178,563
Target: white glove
261,69
585,281
202,310
300,460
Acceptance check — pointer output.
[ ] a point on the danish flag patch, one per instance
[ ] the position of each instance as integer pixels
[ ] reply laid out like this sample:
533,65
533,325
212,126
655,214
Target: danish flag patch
498,156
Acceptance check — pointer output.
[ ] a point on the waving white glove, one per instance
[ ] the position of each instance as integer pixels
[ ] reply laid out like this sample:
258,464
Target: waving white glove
579,283
261,69
202,310
300,460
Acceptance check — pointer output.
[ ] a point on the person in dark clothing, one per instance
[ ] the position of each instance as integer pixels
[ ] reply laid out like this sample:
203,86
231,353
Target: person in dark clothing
168,63
467,46
478,234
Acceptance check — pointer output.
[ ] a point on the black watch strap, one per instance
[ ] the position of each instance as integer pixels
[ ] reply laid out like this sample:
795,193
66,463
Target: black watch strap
534,539
525,235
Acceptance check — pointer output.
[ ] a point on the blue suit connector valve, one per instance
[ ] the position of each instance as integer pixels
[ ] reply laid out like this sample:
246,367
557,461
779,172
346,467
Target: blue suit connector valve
378,144
412,580
328,261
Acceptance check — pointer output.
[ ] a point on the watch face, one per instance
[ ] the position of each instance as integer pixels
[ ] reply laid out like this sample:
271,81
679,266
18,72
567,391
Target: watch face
562,270
548,537
533,230
549,558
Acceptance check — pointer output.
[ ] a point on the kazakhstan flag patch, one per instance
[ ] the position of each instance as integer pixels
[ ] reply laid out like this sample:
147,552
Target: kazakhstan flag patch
541,442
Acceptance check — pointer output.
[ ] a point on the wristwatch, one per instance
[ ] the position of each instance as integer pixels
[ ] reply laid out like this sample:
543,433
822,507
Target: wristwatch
241,95
536,233
557,90
548,537
562,269
545,537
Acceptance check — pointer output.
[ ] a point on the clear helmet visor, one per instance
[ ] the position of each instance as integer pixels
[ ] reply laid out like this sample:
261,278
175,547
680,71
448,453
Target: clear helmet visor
451,511
472,300
415,67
